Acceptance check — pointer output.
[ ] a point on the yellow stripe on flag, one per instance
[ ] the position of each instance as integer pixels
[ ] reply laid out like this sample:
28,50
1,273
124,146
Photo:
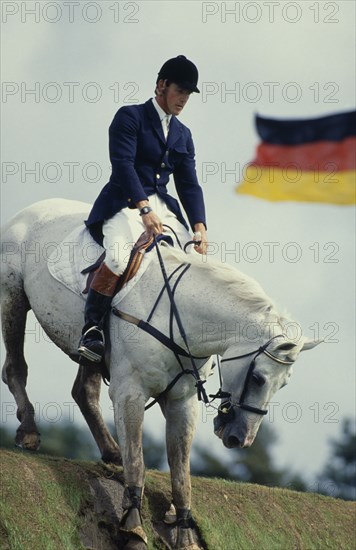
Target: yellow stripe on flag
277,184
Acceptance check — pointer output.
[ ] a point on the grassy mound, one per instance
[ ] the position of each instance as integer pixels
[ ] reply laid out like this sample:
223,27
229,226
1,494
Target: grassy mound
60,504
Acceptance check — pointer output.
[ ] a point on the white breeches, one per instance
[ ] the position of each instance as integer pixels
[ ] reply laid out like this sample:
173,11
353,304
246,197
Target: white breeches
124,228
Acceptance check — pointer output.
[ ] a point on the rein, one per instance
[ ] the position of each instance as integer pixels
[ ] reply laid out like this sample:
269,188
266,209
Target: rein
168,341
226,409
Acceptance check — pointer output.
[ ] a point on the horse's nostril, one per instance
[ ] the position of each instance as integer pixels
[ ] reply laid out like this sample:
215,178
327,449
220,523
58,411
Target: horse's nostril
232,441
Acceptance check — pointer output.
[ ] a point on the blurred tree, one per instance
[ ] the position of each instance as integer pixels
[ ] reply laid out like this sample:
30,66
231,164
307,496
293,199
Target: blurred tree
338,478
254,465
64,439
154,452
73,441
6,438
206,464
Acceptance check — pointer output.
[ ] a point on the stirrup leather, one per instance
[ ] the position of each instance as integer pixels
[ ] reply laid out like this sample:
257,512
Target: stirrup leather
85,351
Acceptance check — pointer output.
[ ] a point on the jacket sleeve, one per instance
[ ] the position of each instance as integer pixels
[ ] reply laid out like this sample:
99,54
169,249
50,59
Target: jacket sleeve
123,146
186,181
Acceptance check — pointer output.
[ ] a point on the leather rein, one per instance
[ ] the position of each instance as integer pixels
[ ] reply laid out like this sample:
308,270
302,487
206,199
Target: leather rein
226,408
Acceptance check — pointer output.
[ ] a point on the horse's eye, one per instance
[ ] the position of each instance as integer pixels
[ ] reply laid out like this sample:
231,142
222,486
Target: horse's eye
258,379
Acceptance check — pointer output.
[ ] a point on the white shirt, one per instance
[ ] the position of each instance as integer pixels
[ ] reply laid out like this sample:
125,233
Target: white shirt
164,117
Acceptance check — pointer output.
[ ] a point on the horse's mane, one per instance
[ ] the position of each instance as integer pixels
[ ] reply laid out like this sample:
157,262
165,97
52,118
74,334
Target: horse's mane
246,288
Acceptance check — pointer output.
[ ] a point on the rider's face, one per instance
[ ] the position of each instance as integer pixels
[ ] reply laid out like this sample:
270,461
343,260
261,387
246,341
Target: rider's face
172,98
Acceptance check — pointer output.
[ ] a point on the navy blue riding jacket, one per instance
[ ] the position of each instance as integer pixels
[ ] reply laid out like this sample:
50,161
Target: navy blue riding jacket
142,161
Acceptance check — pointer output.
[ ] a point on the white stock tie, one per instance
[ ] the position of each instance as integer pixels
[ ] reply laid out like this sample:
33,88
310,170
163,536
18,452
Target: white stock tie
166,126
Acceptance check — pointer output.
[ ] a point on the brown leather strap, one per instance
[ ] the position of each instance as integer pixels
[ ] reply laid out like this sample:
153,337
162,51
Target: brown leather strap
105,281
135,260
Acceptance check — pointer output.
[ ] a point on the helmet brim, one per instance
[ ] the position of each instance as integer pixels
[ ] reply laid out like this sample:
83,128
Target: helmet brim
188,86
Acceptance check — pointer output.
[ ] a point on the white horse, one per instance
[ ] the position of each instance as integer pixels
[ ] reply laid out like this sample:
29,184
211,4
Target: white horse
223,312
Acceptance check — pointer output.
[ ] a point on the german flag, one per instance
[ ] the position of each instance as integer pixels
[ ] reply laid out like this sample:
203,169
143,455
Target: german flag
311,160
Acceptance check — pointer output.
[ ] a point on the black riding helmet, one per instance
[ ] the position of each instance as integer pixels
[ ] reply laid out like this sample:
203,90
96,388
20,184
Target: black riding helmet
181,71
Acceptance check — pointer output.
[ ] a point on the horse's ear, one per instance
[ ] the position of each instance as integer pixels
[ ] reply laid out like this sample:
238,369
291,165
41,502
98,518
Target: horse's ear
286,346
286,350
310,344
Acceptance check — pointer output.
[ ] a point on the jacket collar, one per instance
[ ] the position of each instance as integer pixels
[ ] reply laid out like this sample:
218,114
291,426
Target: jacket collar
175,128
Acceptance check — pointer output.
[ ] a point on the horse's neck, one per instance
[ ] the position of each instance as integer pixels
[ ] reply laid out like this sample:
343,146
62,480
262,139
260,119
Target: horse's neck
213,315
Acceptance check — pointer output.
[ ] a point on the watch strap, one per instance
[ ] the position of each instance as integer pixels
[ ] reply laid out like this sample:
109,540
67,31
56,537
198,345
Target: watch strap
145,210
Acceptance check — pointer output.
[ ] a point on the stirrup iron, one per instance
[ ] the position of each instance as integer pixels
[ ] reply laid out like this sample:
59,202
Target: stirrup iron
84,351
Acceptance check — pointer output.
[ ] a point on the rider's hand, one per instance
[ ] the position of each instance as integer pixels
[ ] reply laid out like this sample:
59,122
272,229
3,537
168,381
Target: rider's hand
200,235
152,223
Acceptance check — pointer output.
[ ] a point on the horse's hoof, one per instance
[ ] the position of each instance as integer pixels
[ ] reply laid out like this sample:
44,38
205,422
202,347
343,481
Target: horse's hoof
190,547
186,540
131,525
28,441
170,516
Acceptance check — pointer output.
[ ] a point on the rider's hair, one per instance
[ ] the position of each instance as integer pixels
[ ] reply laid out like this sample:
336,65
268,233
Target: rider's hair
168,83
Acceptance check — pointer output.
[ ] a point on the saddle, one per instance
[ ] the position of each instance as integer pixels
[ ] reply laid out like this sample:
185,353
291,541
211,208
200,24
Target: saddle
143,244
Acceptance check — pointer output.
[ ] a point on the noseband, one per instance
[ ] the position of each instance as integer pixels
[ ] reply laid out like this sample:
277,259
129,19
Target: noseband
226,409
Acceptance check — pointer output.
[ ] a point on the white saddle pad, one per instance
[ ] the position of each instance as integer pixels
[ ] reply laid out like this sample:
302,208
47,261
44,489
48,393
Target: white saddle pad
77,252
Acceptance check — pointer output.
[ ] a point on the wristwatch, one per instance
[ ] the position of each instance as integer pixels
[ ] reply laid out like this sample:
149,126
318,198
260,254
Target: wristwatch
145,210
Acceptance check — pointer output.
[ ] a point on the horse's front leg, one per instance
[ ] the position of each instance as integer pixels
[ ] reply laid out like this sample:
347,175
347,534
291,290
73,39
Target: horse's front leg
129,407
181,420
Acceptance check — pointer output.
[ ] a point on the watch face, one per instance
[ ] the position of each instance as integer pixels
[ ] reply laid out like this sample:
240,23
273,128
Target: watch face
145,210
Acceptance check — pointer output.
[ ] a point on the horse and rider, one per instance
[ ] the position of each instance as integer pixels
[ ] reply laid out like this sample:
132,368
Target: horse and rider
147,144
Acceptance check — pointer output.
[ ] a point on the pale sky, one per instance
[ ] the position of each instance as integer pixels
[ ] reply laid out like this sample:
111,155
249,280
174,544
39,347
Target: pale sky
66,69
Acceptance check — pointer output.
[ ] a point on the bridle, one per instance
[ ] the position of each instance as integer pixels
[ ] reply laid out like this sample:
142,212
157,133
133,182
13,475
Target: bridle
226,409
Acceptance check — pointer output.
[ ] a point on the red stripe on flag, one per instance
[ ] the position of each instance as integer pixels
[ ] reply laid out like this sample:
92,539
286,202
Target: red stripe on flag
320,155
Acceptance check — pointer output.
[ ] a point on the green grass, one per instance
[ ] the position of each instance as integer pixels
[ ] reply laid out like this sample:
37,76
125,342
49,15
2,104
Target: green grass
46,503
40,502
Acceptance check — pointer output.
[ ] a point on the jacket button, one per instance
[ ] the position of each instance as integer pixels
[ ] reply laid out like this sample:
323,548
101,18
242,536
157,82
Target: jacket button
163,165
167,152
158,176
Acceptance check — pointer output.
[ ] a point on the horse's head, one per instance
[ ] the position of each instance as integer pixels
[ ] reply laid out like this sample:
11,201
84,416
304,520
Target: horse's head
250,381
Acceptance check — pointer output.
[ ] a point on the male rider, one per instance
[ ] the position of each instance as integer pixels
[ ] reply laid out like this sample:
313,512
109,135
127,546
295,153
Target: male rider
147,144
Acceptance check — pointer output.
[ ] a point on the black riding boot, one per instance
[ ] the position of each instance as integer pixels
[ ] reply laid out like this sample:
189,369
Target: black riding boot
101,291
92,342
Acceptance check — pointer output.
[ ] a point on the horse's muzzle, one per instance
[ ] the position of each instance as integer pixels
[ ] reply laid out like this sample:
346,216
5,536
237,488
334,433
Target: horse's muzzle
229,429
